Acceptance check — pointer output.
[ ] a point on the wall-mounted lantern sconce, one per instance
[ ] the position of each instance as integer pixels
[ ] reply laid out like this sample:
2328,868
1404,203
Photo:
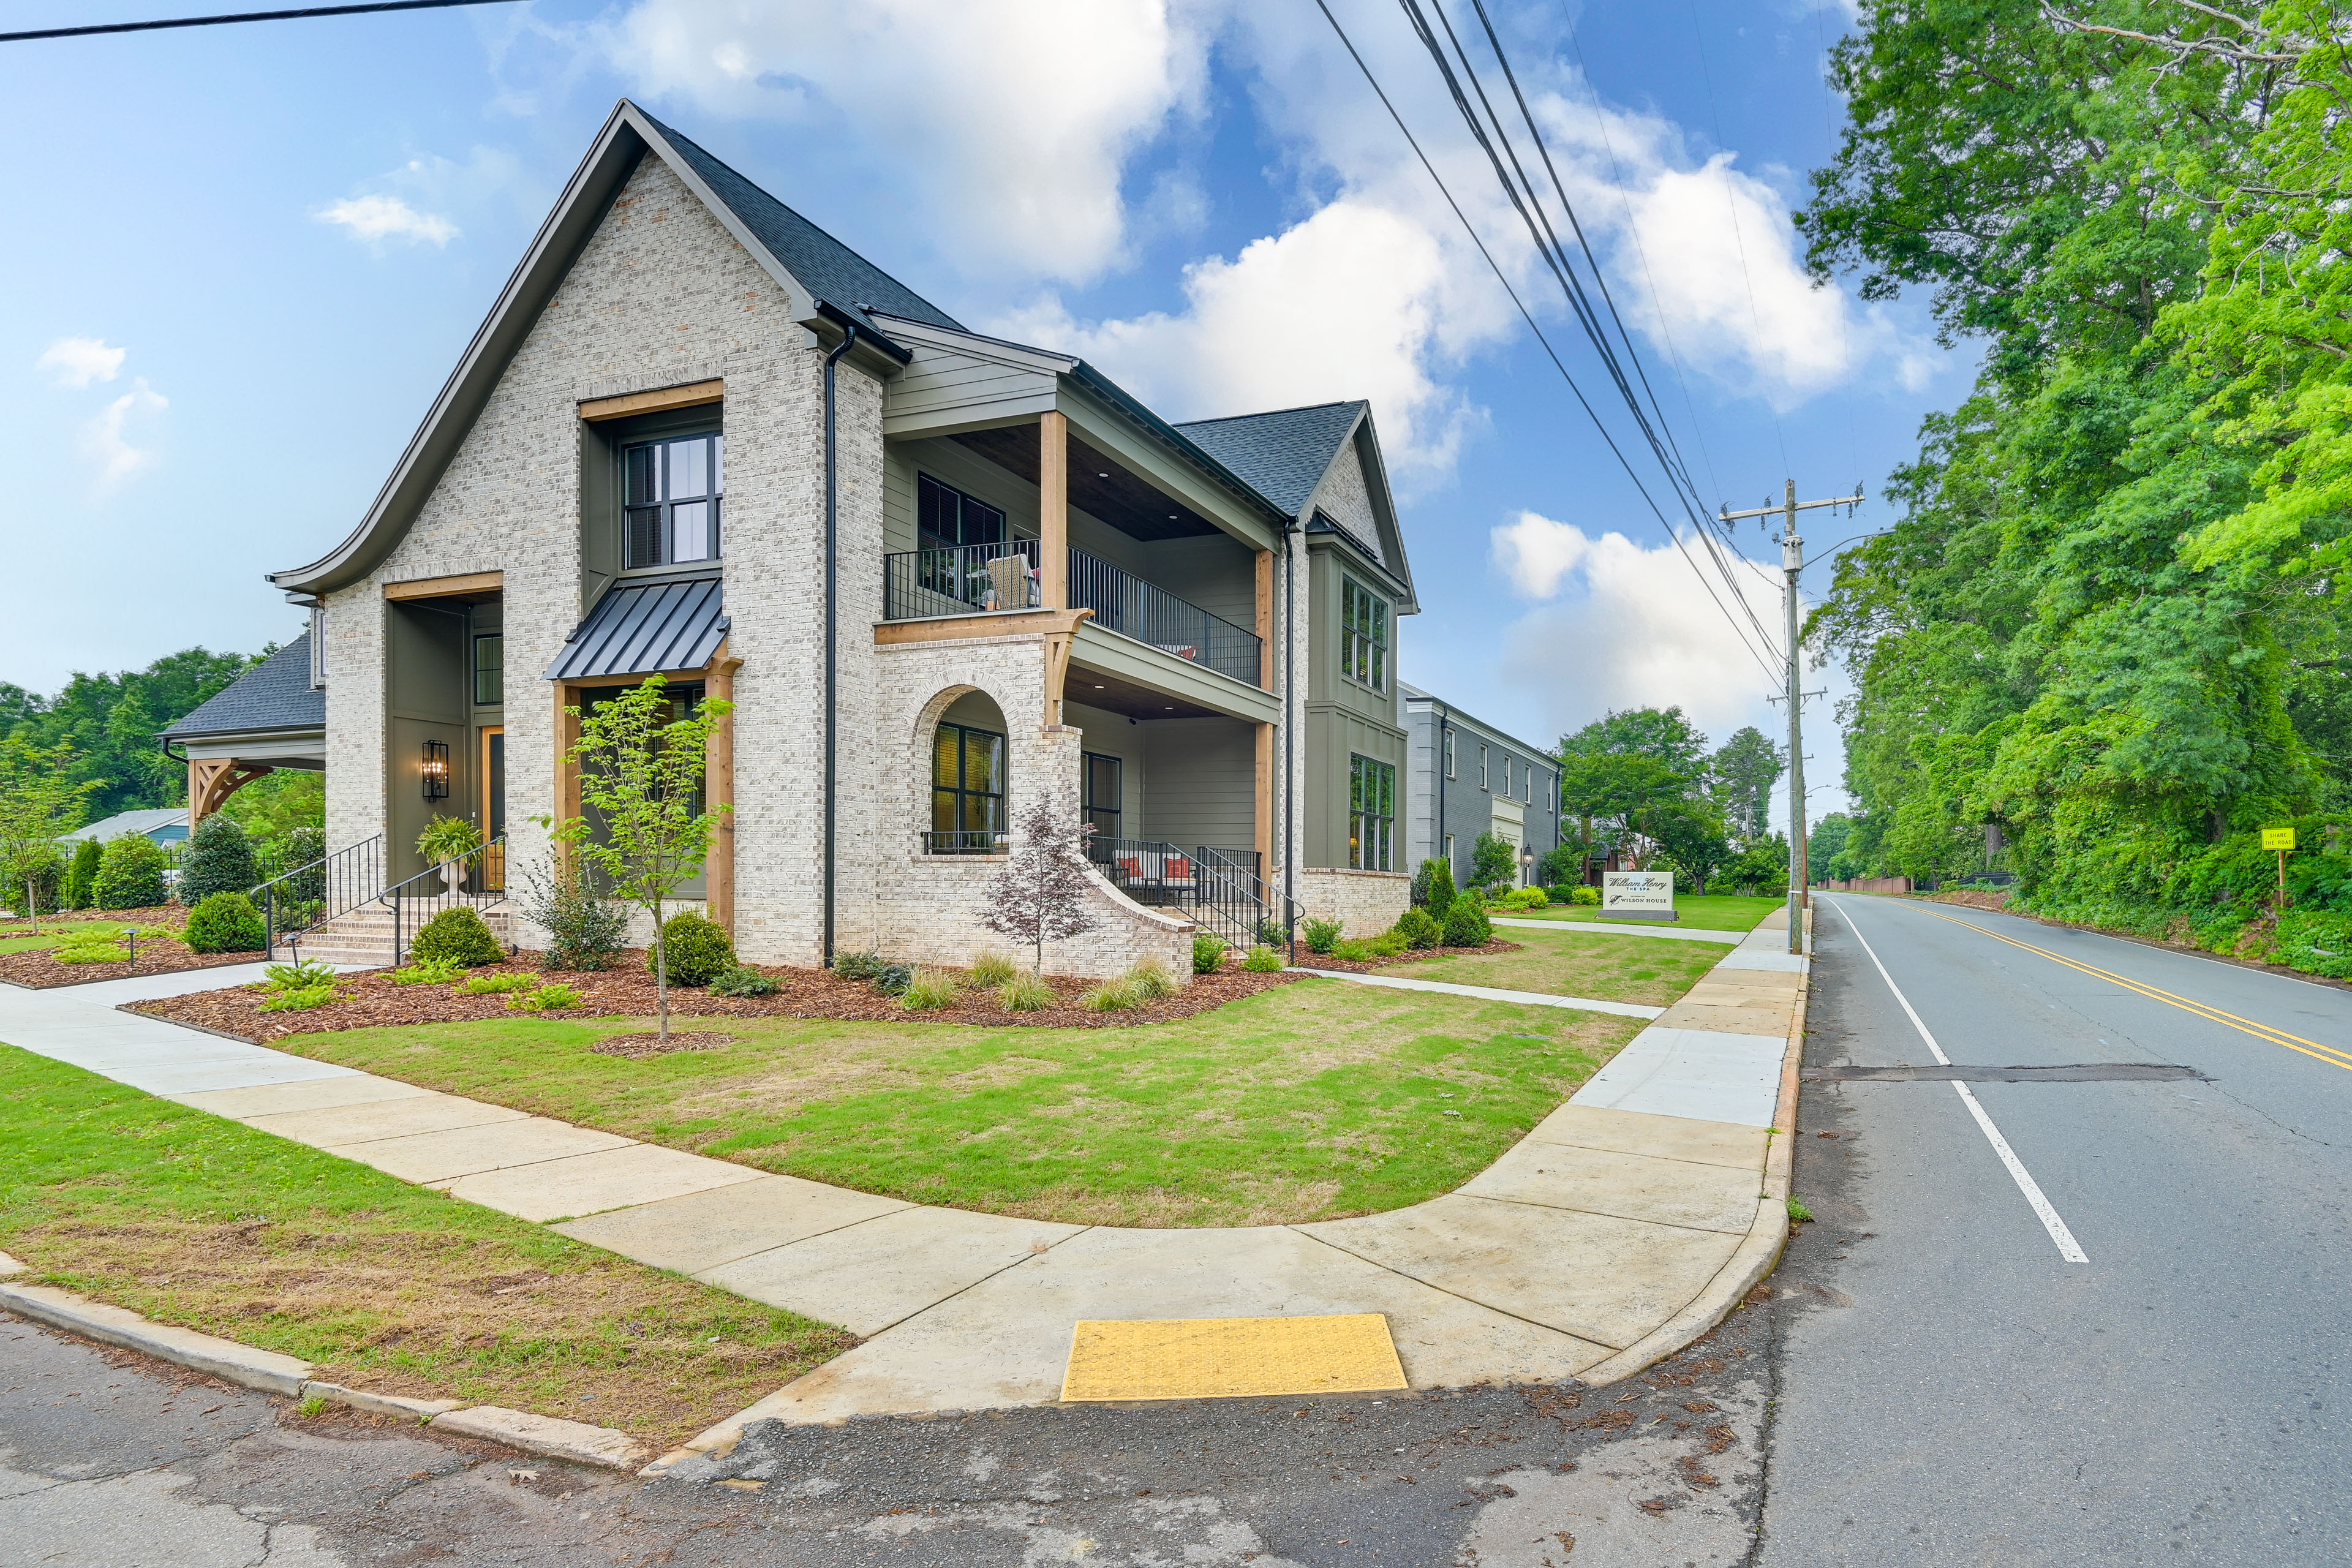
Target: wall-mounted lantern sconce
436,770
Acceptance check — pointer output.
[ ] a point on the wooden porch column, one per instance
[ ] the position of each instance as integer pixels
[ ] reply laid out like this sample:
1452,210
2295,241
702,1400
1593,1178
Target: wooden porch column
1054,508
1265,732
567,735
718,790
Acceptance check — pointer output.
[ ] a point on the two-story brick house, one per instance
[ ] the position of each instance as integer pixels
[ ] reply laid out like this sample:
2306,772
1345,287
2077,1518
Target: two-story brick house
934,572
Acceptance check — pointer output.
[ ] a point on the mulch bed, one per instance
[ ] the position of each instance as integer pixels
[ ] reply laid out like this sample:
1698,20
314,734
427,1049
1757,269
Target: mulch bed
39,971
1411,955
156,915
370,1000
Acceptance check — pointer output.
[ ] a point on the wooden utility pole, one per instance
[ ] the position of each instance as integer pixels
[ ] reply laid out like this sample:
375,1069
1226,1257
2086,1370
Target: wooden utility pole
1792,562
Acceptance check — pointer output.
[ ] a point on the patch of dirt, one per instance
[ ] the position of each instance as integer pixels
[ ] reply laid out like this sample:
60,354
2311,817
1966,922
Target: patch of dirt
653,1043
1411,955
40,969
371,1000
1996,899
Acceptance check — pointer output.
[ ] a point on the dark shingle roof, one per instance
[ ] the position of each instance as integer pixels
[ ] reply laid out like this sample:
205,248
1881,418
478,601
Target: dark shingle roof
275,695
642,628
1282,455
830,270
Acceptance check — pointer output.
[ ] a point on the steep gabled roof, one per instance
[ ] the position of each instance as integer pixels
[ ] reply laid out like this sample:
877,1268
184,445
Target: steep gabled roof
1283,454
274,695
832,272
828,294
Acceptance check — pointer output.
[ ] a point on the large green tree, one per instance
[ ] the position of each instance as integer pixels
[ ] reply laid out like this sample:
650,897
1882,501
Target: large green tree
111,722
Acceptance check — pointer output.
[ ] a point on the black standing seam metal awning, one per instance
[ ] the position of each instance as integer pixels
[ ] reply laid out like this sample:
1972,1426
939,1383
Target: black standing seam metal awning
641,628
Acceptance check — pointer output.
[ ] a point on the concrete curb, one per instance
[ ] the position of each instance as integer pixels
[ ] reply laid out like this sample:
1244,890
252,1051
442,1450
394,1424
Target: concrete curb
1758,1255
289,1376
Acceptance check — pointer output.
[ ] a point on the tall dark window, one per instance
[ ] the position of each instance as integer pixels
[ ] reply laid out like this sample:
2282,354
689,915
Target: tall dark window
490,670
967,790
670,493
948,518
1364,631
1103,790
1372,815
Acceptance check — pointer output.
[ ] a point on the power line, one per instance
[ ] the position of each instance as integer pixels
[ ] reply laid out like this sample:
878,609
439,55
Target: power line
1500,276
303,14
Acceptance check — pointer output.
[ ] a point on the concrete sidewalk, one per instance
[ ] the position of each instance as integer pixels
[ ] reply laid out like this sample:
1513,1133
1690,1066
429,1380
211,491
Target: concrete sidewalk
1638,1212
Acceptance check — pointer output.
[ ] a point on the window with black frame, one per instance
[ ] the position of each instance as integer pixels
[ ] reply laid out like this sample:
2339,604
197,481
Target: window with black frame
1102,788
490,670
1364,632
967,791
1372,815
967,551
670,498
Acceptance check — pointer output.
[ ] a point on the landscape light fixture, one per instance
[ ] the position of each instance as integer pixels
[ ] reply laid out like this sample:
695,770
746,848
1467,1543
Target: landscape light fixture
436,770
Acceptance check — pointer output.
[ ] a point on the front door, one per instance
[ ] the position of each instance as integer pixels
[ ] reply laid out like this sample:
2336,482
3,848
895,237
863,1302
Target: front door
493,775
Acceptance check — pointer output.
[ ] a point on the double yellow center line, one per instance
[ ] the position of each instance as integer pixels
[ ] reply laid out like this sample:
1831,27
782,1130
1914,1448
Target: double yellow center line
2310,1048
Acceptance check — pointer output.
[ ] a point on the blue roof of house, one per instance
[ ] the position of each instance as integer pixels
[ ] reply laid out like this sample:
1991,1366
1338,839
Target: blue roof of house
830,270
274,695
1283,454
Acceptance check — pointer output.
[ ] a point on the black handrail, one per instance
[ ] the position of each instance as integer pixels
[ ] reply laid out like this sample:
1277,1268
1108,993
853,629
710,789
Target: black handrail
479,883
1125,603
309,895
1219,888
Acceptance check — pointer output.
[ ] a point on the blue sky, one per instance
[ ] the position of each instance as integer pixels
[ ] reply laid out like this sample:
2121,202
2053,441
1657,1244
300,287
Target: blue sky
258,250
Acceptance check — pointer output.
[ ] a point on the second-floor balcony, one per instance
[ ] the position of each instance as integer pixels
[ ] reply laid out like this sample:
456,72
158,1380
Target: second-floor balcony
982,579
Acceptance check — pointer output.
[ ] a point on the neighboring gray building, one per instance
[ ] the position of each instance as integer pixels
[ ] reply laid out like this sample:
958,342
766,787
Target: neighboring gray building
1468,777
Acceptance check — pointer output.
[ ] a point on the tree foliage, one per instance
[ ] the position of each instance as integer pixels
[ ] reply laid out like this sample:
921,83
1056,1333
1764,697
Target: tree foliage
1041,895
2109,622
111,720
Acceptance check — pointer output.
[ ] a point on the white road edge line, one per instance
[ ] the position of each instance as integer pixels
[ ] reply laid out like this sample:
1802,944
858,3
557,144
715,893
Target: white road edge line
2068,1248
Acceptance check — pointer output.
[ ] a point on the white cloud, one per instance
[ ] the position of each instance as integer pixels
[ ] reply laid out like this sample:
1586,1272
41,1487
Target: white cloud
77,361
377,218
1011,120
1625,625
105,445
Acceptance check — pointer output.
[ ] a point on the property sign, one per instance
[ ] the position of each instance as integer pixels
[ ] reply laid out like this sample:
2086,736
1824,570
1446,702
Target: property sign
1638,892
2278,837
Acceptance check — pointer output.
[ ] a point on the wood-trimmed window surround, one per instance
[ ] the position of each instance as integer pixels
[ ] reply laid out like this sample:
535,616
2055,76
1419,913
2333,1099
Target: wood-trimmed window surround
694,394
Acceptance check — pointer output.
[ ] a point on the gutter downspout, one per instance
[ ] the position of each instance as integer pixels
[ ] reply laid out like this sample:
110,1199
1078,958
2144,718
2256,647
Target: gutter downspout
1289,739
832,619
1444,725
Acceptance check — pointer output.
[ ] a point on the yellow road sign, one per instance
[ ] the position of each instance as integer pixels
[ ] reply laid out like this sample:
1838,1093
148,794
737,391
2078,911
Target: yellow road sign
2278,837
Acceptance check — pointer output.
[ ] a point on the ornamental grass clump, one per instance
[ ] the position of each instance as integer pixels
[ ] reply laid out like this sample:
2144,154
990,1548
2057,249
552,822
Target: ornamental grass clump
929,988
1025,993
992,968
1151,977
1119,995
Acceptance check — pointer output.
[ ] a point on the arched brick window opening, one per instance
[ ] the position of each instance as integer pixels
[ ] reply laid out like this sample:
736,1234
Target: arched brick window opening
968,778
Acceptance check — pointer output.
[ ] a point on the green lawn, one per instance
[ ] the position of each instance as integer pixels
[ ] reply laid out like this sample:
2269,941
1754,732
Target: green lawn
48,939
1707,911
1608,968
207,1223
1307,1101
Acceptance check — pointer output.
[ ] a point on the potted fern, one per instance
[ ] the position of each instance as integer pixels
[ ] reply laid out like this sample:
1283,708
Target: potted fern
445,842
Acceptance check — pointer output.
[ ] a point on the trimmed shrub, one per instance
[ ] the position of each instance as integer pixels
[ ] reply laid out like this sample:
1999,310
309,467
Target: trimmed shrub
130,873
1525,899
82,875
1585,898
743,981
992,968
697,951
929,988
1433,887
1208,953
225,922
1152,978
1466,924
583,932
1271,932
1264,961
219,859
1322,935
457,936
1025,993
893,979
1420,930
1120,995
868,966
1561,866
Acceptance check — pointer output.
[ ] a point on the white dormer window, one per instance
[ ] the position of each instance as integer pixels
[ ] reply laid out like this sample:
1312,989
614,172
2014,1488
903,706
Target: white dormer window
671,493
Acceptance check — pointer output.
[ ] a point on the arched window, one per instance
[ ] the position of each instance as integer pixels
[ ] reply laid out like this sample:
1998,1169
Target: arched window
968,778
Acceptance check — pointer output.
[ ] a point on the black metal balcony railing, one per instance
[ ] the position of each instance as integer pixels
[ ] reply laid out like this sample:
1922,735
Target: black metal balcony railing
975,579
965,841
960,580
474,880
1127,605
1219,888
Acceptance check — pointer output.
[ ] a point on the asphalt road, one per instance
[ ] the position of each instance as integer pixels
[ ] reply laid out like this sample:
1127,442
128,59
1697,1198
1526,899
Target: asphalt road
1955,1391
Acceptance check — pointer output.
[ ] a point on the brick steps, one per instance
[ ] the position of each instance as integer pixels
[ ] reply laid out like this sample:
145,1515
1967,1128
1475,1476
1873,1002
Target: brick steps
364,936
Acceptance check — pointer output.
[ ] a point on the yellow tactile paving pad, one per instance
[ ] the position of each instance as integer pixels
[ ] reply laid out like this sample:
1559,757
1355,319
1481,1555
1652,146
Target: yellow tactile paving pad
1230,1358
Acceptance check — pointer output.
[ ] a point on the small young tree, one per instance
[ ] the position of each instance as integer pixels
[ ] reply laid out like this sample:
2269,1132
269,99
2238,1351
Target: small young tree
81,877
1041,894
641,766
38,801
1493,862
